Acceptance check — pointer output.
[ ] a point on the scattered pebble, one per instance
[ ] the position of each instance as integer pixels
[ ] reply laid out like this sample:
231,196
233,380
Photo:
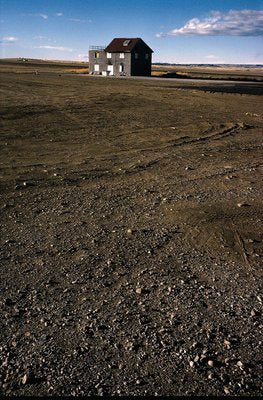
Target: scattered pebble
24,380
196,358
243,204
226,390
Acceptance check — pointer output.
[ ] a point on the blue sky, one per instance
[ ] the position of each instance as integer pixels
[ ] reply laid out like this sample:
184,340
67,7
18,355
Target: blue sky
179,31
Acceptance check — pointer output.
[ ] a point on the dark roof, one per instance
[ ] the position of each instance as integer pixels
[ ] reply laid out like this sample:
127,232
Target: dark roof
125,45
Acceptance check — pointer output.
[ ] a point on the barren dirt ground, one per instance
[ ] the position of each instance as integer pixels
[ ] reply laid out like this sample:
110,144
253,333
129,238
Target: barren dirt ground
131,237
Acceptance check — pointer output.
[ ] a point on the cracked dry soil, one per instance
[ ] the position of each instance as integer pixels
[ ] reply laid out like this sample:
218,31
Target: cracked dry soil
131,238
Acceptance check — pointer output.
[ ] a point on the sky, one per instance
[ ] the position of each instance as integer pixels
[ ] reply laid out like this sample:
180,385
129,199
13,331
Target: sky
178,31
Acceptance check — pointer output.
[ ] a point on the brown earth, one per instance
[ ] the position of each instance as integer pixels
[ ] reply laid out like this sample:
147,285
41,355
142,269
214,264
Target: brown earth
131,243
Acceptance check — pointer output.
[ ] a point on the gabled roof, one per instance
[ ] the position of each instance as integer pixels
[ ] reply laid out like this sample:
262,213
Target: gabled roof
125,45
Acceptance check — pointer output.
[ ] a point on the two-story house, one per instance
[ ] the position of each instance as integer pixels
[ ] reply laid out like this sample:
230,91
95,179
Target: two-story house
122,57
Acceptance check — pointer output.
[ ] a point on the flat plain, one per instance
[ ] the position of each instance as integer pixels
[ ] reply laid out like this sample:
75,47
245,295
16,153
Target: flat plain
131,236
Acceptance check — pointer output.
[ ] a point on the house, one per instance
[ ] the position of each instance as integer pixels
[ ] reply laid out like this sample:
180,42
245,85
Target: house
122,57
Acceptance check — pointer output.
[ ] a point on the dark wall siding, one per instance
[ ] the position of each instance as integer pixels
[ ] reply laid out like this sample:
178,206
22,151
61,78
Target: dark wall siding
141,66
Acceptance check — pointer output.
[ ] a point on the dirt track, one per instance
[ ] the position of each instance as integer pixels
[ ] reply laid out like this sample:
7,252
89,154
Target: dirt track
131,244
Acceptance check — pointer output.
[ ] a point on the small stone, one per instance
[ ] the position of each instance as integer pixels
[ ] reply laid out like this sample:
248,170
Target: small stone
196,358
249,240
240,364
191,363
227,343
24,380
138,290
243,204
226,390
210,363
129,231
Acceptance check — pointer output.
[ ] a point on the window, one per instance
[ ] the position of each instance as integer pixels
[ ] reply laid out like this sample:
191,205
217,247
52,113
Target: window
108,55
97,54
121,69
136,56
146,56
121,55
126,42
96,67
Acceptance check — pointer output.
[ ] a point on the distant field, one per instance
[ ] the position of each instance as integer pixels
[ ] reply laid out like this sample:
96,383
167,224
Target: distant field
172,71
224,73
32,66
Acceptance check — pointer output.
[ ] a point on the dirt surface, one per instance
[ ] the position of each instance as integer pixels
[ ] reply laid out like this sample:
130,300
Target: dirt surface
131,238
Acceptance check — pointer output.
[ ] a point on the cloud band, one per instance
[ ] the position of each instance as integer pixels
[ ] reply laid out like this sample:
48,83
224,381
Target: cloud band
232,23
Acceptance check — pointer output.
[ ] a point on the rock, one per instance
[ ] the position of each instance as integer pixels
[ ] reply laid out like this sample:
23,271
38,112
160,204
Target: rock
210,363
24,380
240,364
226,390
129,231
196,359
243,204
191,363
138,290
227,343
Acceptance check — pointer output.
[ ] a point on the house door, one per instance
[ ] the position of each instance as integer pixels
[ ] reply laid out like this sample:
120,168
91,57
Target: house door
110,69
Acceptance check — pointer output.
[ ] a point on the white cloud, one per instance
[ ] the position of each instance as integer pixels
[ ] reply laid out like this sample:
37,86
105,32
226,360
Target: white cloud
79,20
83,56
59,14
44,16
40,37
75,20
214,59
59,48
9,39
232,23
